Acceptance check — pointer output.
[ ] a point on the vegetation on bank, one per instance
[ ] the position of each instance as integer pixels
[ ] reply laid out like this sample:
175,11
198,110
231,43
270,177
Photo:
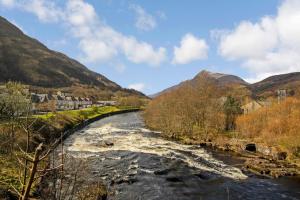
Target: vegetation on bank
86,113
194,112
276,125
26,139
199,113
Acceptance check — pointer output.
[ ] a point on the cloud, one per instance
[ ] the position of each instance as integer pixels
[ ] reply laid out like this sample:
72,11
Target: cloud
249,40
137,86
144,21
98,41
7,3
269,46
190,49
46,11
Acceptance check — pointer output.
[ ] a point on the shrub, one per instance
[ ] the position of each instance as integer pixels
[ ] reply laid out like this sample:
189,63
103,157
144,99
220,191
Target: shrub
277,124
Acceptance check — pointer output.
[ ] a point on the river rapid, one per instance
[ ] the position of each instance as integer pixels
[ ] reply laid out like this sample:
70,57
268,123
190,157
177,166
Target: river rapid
135,163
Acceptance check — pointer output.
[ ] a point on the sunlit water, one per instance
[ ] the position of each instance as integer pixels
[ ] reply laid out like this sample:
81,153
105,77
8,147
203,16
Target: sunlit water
135,163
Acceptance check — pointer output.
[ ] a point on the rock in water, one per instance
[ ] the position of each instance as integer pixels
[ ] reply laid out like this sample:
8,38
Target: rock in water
250,147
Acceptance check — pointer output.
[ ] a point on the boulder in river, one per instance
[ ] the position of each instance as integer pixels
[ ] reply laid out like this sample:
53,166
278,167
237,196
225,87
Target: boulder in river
109,143
250,147
162,172
174,179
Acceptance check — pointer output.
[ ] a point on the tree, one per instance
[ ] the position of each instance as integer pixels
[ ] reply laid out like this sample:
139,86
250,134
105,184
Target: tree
232,108
189,111
14,102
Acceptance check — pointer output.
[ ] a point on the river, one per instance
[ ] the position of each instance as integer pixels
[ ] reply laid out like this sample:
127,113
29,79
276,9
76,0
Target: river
135,163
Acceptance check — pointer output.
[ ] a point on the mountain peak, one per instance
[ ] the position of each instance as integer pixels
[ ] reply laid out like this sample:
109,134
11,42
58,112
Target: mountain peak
223,79
8,29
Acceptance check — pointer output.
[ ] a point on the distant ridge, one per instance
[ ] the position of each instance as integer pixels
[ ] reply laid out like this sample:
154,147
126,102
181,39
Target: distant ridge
232,83
282,81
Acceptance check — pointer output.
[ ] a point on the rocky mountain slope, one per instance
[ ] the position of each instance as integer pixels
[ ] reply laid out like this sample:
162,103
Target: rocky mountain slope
28,61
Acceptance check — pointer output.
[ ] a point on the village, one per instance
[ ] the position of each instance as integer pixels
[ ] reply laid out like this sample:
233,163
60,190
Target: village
63,101
58,101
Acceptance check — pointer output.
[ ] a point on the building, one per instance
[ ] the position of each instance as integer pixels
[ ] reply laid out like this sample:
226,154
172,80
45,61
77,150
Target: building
106,103
50,102
254,105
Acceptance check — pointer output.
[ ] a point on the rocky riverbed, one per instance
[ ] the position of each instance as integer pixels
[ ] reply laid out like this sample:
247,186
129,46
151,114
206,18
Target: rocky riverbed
135,163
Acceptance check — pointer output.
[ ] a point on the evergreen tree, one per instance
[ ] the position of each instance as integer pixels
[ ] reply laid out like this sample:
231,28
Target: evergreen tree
232,108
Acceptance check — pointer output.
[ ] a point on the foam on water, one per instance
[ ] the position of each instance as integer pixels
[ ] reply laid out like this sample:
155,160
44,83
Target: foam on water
137,139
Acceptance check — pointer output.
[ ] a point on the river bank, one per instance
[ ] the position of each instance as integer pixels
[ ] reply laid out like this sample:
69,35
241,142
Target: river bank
263,160
137,163
57,126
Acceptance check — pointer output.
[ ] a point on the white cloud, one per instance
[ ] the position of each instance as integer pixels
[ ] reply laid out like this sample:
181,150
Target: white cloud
137,86
144,21
46,11
98,42
249,40
269,46
7,3
190,49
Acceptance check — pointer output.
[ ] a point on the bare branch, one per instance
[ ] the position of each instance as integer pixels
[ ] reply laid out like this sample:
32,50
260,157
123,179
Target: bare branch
28,157
51,169
40,176
18,193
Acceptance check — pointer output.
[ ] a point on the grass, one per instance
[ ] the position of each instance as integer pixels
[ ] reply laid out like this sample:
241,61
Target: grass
86,113
9,172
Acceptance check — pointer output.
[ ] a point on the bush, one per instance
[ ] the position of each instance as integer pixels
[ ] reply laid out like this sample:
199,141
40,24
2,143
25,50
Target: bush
187,112
275,125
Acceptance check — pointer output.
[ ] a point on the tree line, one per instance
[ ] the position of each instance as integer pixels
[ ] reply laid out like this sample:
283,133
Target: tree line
193,111
203,112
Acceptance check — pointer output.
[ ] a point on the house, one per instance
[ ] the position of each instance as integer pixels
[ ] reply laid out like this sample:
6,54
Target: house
254,105
63,101
106,103
50,102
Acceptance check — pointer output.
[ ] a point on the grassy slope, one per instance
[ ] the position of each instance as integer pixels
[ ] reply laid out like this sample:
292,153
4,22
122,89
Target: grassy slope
9,166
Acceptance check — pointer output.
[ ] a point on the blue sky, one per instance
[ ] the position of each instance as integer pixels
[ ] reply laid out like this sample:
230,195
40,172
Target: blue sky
151,45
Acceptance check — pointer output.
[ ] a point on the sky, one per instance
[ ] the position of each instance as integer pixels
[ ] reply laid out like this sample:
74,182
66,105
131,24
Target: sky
151,45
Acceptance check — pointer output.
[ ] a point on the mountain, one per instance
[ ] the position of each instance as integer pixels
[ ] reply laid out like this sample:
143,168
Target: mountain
222,80
28,61
234,85
270,85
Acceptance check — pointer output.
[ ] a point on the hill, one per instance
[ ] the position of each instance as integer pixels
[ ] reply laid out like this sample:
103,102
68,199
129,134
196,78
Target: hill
224,81
236,86
28,61
270,85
